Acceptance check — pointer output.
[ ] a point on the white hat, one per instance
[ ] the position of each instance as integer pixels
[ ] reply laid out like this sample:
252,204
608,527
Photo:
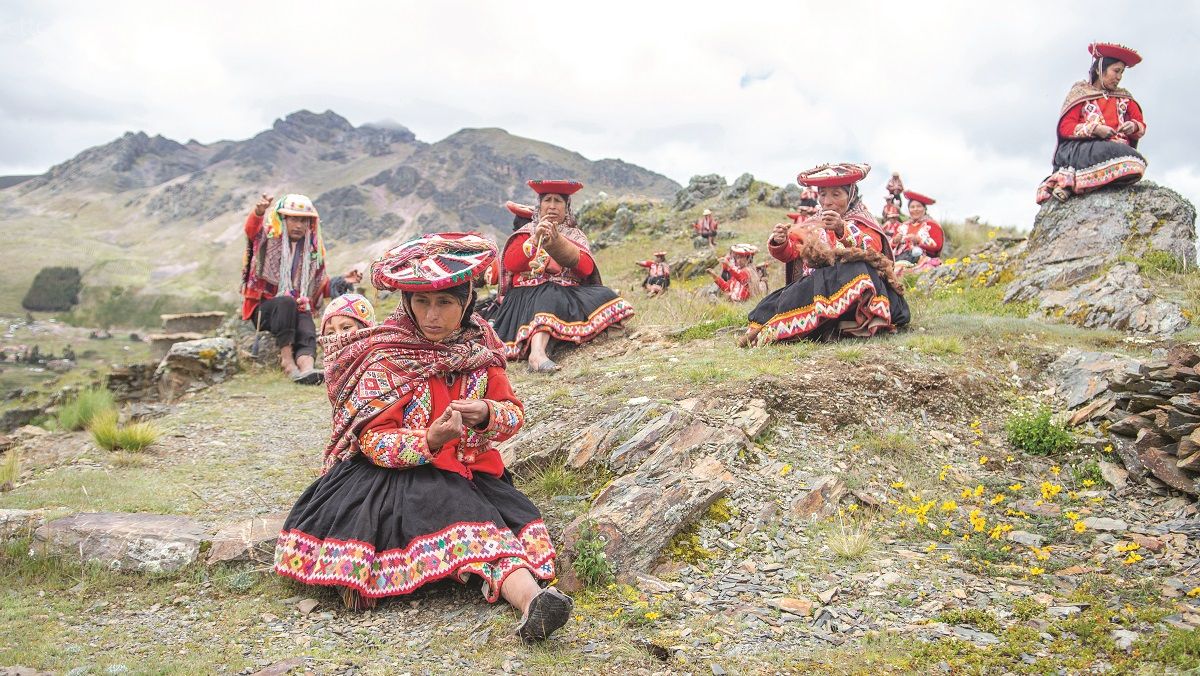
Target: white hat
707,212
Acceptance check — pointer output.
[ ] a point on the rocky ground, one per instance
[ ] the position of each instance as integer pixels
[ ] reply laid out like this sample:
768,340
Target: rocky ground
868,514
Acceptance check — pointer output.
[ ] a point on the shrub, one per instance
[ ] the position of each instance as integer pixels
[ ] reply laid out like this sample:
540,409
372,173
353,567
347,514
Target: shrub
1156,260
1035,432
590,561
112,436
54,290
79,412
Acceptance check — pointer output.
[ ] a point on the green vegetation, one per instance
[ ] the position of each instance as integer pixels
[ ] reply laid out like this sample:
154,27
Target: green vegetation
53,290
941,346
10,467
553,480
112,436
980,619
113,306
78,413
590,562
1158,261
1036,432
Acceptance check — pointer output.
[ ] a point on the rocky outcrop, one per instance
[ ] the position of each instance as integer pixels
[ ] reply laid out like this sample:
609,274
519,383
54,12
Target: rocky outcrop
698,189
1150,409
1082,260
193,322
250,540
150,543
194,365
19,523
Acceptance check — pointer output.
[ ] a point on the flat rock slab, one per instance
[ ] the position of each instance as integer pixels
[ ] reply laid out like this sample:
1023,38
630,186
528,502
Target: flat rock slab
19,523
151,543
250,540
1081,376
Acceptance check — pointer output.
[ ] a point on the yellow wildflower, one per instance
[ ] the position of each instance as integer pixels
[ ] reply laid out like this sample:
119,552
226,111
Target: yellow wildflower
949,506
652,615
931,547
783,471
1035,570
897,484
1108,448
966,494
1074,516
1088,483
983,459
1050,490
1016,487
946,532
853,507
1133,558
1194,592
979,491
1055,470
1079,527
997,500
1009,458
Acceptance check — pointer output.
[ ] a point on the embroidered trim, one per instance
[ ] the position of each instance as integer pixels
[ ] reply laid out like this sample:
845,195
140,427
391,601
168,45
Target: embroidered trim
612,312
504,421
802,320
396,449
459,550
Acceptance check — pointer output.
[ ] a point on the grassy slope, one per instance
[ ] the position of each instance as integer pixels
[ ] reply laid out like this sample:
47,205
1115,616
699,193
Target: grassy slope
970,347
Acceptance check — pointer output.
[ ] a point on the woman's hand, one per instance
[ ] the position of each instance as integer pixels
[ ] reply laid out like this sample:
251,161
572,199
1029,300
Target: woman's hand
474,412
832,220
545,232
1128,128
448,427
779,233
260,208
1104,131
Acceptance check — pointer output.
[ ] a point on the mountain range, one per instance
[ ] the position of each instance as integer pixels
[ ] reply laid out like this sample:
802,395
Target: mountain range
152,213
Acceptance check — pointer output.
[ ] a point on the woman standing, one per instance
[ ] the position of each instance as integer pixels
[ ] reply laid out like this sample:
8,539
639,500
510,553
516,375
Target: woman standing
413,490
839,272
1098,129
550,286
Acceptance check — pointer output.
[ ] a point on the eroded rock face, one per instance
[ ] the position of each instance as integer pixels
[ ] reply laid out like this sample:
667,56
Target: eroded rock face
1078,261
194,365
151,543
699,189
250,540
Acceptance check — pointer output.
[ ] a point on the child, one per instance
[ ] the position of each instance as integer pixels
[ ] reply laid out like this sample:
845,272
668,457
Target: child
347,313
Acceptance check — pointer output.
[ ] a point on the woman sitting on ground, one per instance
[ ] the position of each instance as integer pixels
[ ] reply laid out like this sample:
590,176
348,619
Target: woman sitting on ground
739,278
658,274
839,275
1098,129
917,241
413,490
550,286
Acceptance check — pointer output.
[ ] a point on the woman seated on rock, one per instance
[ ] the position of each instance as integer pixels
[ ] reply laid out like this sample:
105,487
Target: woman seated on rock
917,241
1098,129
550,286
413,490
739,278
839,274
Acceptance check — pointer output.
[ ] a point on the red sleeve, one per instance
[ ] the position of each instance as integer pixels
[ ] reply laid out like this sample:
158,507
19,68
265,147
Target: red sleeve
645,264
935,233
1135,114
387,443
1071,119
253,225
507,413
586,266
515,260
740,274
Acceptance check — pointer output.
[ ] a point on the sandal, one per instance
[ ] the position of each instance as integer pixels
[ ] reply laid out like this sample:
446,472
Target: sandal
548,366
548,611
309,377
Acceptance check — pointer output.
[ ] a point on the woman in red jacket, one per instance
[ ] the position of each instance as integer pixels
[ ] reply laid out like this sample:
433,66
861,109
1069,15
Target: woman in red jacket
413,489
1098,129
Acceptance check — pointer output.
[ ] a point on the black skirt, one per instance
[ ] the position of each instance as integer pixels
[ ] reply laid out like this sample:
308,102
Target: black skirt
1092,163
571,314
830,302
386,532
660,280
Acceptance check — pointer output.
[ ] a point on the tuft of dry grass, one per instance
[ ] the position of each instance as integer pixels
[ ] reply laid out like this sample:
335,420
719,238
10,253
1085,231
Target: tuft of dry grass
110,435
10,467
850,538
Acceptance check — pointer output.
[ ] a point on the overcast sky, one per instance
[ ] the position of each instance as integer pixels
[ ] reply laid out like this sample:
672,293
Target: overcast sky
961,97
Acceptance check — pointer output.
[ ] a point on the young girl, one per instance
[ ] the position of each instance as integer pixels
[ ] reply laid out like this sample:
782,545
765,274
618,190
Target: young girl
347,313
413,490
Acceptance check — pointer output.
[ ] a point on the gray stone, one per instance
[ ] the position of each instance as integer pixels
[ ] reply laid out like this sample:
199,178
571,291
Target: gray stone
250,540
740,187
741,210
1081,376
698,189
133,382
1071,266
1124,639
134,542
1105,524
1063,611
161,343
193,365
19,523
193,322
822,498
1026,538
1115,475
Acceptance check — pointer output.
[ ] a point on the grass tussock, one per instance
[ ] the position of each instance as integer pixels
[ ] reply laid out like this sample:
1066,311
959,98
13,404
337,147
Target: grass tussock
852,354
849,539
940,346
110,435
890,444
10,467
553,480
78,413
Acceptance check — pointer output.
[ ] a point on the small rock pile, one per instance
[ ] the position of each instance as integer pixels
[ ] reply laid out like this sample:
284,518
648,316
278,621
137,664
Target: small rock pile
1153,411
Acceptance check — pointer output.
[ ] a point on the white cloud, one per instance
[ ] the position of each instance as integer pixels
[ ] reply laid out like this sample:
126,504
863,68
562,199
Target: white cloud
961,98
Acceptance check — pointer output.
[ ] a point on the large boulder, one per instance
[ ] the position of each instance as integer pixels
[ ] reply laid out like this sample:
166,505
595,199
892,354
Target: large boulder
787,197
250,540
698,189
1080,261
194,365
740,187
151,543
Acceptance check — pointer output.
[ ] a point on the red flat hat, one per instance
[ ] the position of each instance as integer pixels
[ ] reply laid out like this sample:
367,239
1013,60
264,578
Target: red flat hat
795,216
832,175
1114,51
918,197
542,187
519,209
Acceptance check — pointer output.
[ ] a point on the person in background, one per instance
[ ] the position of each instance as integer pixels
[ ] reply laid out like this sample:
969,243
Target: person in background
706,227
658,274
347,283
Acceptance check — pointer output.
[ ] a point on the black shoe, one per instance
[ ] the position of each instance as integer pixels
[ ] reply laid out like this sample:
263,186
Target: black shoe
309,377
548,611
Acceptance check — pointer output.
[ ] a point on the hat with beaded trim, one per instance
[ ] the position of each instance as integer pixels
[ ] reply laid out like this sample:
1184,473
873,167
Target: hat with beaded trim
555,187
1114,51
833,175
743,249
433,262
